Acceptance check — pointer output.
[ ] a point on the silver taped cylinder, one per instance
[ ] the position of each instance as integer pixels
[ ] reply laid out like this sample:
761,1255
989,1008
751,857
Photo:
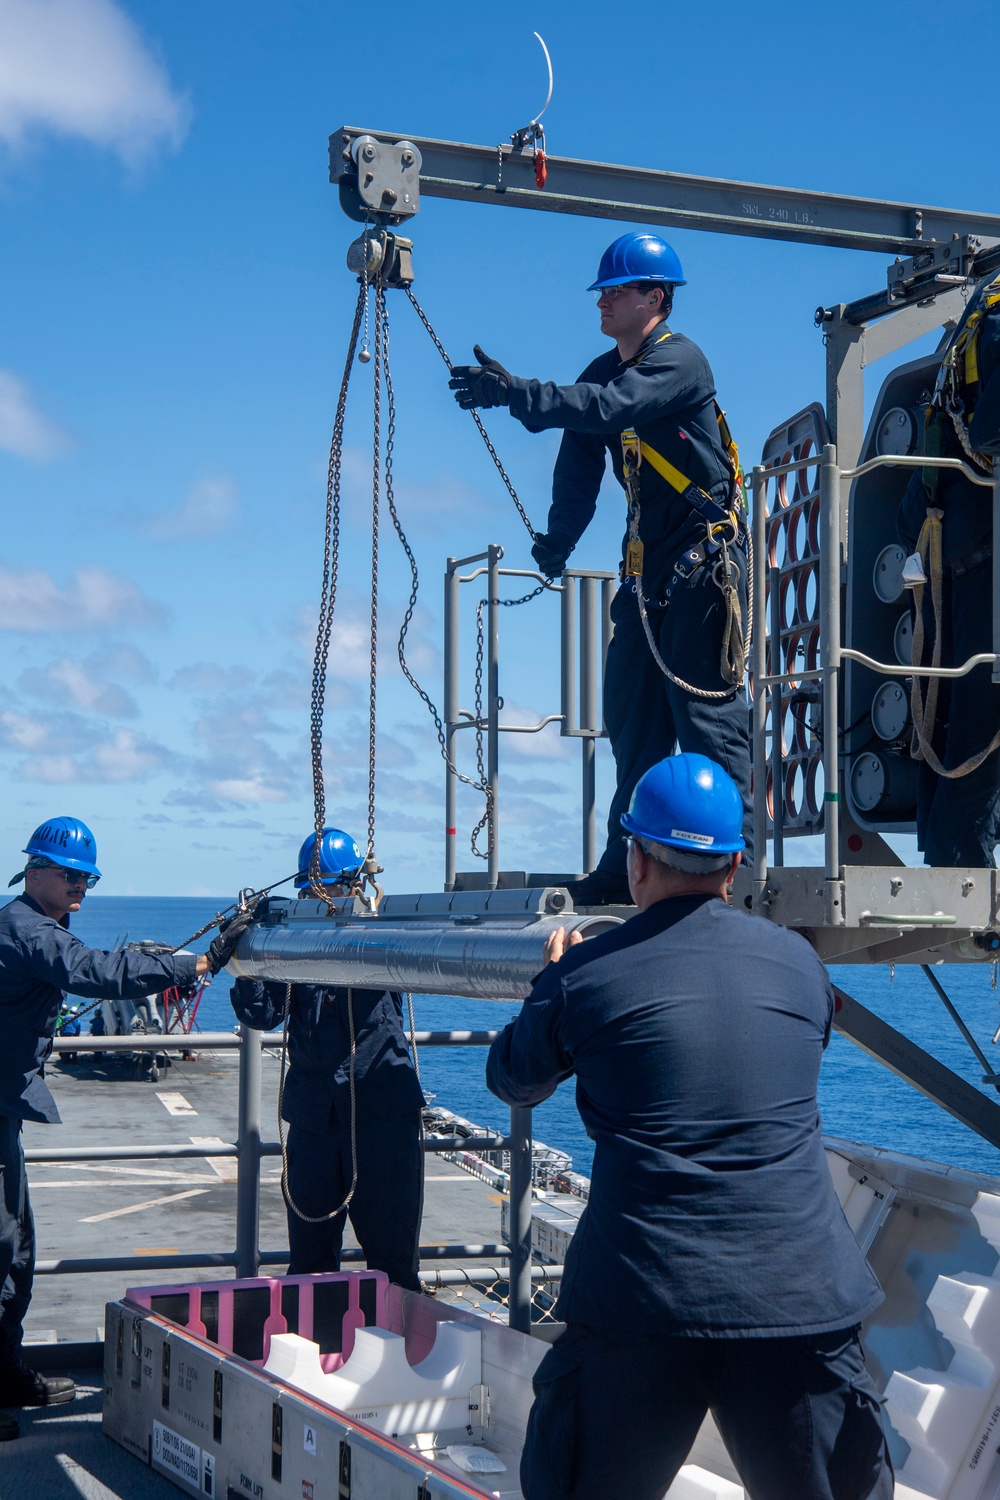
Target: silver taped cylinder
477,960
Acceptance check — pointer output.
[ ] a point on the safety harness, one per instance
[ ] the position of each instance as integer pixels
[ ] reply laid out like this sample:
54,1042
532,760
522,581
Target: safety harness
956,389
725,527
954,399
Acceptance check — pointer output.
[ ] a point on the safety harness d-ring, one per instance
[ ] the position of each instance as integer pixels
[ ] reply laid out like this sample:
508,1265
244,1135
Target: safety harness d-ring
723,572
733,653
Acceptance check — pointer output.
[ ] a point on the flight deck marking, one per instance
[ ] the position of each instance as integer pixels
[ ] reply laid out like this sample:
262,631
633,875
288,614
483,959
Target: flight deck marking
176,1104
88,1182
135,1208
225,1167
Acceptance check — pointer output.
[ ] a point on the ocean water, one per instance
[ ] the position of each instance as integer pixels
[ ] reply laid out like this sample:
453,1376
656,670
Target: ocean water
859,1099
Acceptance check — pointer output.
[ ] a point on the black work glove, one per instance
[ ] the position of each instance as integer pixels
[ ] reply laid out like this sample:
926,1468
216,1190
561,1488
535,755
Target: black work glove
485,384
550,552
222,947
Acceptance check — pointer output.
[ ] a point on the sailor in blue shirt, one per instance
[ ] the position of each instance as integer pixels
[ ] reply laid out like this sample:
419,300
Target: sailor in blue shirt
686,533
40,962
352,1102
712,1268
958,816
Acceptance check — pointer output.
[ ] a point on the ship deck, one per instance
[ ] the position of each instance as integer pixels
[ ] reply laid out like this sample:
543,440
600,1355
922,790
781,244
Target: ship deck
144,1208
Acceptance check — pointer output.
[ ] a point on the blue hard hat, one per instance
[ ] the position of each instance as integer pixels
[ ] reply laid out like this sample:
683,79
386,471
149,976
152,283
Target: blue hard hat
638,257
66,842
339,858
687,802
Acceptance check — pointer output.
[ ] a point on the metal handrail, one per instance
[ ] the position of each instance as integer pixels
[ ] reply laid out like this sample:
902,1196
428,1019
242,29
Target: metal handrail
914,461
894,669
249,1150
595,591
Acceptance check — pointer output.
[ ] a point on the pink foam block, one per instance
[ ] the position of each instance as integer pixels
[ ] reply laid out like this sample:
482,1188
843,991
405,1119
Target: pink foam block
275,1322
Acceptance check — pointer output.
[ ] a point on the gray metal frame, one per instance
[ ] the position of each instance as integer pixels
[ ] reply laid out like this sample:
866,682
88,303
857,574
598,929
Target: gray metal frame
602,190
250,1149
797,886
584,635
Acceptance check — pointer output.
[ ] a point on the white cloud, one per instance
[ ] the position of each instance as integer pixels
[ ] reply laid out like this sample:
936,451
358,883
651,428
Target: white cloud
96,599
68,681
62,750
126,757
206,510
211,677
24,429
247,789
82,68
21,732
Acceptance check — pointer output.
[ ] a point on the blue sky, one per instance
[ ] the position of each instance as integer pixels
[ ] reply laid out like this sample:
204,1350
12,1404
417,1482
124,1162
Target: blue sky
172,332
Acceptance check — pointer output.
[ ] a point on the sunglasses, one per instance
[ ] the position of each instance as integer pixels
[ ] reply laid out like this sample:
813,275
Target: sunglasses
76,877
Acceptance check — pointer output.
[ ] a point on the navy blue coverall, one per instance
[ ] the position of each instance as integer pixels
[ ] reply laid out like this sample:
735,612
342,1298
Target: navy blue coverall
386,1207
40,962
712,1268
666,394
958,820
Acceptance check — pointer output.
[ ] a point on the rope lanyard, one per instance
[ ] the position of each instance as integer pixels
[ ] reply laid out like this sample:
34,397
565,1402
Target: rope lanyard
285,1189
735,642
924,710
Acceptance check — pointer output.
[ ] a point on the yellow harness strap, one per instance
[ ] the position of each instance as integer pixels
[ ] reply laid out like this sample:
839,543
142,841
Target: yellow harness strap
663,466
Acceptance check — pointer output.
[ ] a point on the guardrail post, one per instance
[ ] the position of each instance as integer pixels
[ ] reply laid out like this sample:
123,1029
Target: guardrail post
829,615
760,693
493,710
777,727
996,569
248,1162
589,715
520,1219
567,654
451,647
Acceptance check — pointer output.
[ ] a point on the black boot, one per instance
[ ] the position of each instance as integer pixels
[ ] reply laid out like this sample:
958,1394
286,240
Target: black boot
600,888
20,1385
9,1428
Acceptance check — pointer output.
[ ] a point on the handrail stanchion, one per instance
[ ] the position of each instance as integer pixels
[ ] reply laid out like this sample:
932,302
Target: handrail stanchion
520,1219
248,1160
589,716
777,727
996,569
760,693
451,647
609,588
493,710
567,654
829,615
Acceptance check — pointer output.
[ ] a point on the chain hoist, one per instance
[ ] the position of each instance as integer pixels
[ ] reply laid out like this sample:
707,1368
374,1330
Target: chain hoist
382,260
328,599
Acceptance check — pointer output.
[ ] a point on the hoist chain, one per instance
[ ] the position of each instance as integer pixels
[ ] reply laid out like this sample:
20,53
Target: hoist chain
478,786
476,418
328,597
381,360
382,467
480,767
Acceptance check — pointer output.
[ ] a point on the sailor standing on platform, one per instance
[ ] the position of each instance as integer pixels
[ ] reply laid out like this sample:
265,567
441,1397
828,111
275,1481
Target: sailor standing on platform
675,668
949,521
41,961
352,1102
713,1269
